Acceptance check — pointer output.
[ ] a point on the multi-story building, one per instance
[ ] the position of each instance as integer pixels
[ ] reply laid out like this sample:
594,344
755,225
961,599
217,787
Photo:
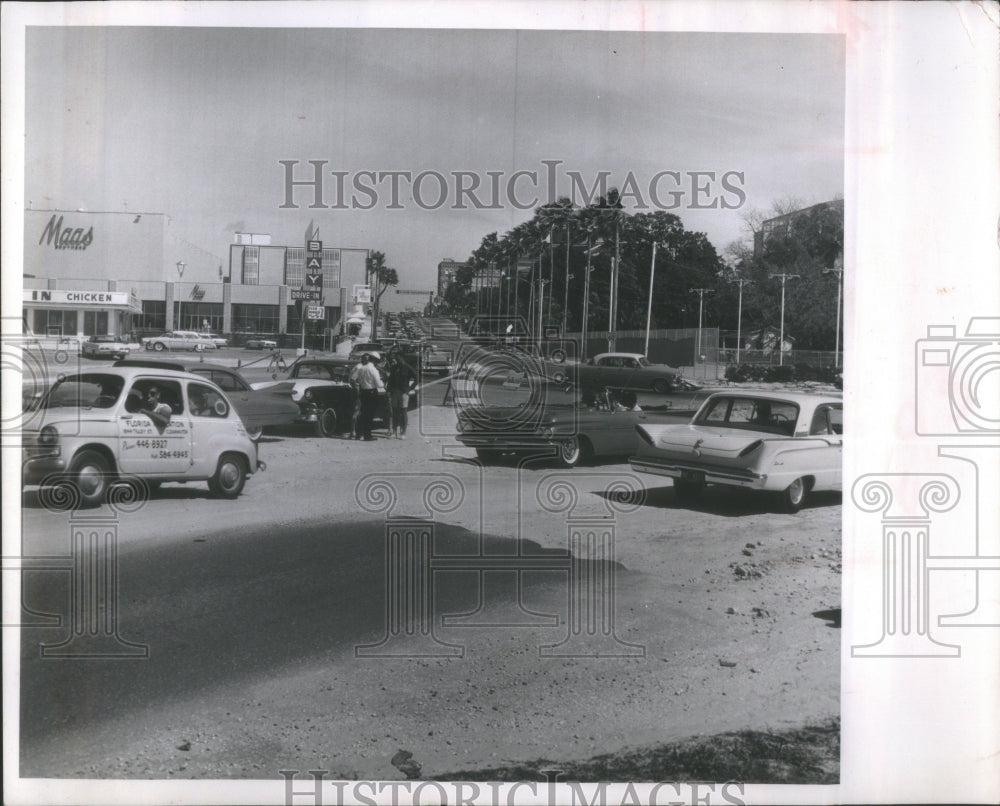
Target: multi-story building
447,269
782,224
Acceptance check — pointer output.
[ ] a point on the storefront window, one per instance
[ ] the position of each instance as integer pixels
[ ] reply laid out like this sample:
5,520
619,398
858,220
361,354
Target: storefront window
95,323
194,315
55,323
255,318
154,315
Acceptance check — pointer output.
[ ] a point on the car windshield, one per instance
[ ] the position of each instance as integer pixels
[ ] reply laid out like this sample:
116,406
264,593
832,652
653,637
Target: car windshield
325,372
643,361
92,390
103,339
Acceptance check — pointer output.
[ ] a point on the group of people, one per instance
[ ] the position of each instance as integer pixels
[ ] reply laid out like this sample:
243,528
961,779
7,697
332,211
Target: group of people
396,379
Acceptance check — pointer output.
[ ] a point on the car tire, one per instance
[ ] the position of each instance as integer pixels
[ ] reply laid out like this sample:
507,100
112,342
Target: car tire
793,496
574,451
326,423
158,346
255,432
688,492
90,475
661,386
230,476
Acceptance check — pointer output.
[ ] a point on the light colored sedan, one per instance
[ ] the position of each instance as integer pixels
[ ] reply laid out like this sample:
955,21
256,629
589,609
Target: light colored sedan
104,347
178,340
786,443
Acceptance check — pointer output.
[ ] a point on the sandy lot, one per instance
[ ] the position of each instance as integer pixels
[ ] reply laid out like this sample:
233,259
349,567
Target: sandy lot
725,616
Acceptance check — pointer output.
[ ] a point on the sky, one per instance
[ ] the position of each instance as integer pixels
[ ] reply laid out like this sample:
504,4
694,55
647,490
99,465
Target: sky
194,123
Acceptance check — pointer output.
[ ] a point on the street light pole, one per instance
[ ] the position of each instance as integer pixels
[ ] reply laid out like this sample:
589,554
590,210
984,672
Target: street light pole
701,301
781,336
739,317
649,306
181,265
586,302
566,285
838,269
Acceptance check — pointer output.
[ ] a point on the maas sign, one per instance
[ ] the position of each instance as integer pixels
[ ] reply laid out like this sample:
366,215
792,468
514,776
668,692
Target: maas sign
315,312
60,237
362,293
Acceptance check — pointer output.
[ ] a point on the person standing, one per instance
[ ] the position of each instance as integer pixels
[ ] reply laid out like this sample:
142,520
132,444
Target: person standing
368,381
399,385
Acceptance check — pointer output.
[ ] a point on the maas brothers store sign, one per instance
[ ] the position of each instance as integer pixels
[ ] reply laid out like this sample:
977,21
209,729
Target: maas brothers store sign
60,237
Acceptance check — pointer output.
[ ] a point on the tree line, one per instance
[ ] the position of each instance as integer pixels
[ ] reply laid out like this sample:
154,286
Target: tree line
556,247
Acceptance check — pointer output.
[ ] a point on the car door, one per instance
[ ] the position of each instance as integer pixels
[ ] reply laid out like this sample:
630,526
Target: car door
145,449
250,405
828,423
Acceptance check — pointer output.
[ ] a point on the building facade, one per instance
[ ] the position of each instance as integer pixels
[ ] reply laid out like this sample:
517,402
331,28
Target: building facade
95,273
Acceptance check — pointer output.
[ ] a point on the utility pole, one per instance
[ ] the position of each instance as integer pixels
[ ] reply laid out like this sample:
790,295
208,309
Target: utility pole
613,324
739,316
649,306
838,269
781,336
701,303
566,284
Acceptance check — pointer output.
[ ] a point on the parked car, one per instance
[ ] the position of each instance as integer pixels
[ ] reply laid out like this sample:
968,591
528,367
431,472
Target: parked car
178,340
786,443
104,347
435,359
262,344
628,371
91,432
258,408
321,388
576,431
216,339
375,349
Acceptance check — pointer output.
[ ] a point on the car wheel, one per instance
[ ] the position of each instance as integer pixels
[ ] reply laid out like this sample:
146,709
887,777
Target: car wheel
326,423
661,386
688,492
90,474
198,348
158,346
794,496
229,477
255,432
574,451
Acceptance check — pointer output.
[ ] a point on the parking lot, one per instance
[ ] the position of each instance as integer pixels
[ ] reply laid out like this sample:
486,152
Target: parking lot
722,616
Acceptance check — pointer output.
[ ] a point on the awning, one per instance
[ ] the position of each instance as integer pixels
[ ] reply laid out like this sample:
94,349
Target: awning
81,300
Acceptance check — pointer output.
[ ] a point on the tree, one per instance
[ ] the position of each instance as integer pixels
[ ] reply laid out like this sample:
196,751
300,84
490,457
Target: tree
380,278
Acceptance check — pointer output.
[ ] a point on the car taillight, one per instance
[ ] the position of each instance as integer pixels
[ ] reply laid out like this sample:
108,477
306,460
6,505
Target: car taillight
750,448
48,436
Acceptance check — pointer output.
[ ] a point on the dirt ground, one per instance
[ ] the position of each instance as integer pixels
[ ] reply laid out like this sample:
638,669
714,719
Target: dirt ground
726,618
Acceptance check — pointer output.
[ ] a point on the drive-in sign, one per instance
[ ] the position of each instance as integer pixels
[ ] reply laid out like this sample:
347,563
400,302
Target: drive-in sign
307,293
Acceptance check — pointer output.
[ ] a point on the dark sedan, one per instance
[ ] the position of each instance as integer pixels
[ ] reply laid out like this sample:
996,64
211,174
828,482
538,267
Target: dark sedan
576,432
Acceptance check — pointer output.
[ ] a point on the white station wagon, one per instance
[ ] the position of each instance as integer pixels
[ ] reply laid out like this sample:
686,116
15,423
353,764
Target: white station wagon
179,340
786,443
94,429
